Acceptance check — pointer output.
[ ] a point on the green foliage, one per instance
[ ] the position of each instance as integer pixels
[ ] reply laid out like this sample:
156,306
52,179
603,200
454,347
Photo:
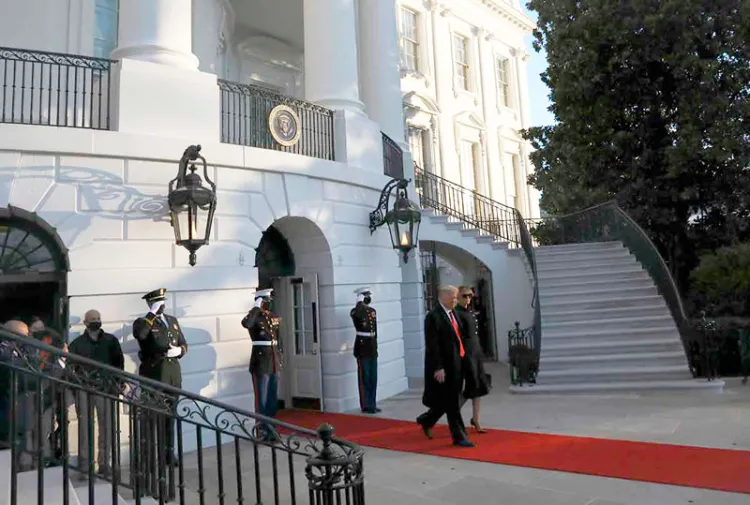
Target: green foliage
651,99
720,284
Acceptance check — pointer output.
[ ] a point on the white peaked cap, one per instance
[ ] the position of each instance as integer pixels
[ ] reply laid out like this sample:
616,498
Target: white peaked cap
362,290
263,293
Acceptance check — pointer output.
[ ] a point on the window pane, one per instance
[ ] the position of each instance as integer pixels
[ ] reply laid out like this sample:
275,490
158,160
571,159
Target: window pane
106,21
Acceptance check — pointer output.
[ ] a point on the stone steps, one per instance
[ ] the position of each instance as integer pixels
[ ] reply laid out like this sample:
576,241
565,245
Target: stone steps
631,359
614,374
605,327
621,387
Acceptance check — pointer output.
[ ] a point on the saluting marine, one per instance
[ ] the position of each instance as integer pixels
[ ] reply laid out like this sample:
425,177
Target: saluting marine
265,360
162,344
365,322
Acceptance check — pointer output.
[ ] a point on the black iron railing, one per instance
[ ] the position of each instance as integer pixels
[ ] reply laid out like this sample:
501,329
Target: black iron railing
393,158
53,89
608,222
245,114
153,440
524,362
490,218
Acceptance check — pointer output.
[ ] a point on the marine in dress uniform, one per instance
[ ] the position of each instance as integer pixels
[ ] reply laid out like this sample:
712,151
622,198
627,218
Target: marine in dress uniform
365,322
162,345
265,360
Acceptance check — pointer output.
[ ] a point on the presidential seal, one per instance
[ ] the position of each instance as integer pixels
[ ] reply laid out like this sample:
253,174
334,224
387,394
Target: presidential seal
284,125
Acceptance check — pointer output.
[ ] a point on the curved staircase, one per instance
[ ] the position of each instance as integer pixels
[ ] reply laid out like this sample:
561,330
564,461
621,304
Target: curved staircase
605,327
604,321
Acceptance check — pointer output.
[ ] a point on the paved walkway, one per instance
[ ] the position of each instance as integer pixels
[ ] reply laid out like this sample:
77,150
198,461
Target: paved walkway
699,419
393,478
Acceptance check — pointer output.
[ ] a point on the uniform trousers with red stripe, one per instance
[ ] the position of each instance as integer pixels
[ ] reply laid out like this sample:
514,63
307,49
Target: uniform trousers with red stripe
266,388
367,375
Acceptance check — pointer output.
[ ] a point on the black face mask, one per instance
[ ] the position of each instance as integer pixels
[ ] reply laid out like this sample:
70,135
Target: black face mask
367,300
266,305
160,311
95,326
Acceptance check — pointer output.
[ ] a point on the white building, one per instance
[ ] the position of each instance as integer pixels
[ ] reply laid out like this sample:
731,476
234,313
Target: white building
87,149
465,92
88,146
464,79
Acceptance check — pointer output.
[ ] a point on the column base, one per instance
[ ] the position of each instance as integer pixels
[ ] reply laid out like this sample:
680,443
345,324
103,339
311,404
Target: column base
161,55
155,99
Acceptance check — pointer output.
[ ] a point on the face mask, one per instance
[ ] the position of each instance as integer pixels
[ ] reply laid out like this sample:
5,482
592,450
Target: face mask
94,326
160,311
367,300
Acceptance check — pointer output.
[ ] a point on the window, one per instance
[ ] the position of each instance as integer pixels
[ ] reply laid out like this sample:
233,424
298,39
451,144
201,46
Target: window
461,61
105,27
418,139
409,40
502,76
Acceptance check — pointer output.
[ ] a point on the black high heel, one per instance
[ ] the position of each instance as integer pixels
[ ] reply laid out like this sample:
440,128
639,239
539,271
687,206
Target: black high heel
476,426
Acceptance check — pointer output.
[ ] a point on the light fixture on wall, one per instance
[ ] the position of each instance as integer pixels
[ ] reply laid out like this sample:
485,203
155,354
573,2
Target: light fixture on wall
403,219
191,205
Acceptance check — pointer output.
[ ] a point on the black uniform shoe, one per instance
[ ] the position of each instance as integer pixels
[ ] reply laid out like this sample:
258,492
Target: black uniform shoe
463,443
427,432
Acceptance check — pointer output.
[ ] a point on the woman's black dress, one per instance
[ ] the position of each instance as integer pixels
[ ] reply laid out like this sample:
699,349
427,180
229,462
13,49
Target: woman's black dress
476,382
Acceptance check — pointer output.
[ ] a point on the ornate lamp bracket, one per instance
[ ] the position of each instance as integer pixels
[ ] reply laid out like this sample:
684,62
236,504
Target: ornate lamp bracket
377,216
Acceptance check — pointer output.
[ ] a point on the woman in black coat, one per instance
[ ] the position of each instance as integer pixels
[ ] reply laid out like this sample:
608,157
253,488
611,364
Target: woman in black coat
476,382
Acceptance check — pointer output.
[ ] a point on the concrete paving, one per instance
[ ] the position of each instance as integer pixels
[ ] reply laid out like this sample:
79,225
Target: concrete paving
392,478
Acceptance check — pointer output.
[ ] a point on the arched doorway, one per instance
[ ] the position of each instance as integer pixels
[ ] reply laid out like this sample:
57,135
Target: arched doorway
294,259
444,263
33,270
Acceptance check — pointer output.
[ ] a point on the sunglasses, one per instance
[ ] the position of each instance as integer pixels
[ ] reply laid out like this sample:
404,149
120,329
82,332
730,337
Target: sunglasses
467,295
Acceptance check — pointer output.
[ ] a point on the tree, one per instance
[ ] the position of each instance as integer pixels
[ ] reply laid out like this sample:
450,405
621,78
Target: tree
652,103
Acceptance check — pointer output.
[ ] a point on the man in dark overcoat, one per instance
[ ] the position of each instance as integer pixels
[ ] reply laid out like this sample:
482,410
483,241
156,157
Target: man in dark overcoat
443,377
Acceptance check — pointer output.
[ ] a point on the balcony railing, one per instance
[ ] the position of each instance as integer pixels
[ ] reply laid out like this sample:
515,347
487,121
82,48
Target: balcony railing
245,120
393,158
54,89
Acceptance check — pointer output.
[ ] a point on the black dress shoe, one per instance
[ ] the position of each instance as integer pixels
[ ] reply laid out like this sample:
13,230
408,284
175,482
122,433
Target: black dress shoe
463,443
427,432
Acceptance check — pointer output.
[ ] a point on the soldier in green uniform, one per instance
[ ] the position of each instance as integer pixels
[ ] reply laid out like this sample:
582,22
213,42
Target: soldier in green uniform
162,344
365,322
265,360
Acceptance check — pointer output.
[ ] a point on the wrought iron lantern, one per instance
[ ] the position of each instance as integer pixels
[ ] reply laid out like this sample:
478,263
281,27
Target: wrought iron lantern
191,204
403,219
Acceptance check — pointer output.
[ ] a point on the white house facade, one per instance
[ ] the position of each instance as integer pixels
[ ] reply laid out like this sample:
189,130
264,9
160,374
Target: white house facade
464,80
90,137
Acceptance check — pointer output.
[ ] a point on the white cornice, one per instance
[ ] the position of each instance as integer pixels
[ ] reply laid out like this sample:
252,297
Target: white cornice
510,13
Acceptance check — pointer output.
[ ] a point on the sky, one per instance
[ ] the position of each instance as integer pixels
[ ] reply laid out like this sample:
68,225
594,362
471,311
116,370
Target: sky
538,91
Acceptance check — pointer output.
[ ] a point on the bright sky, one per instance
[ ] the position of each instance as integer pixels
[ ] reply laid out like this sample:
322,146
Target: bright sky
538,91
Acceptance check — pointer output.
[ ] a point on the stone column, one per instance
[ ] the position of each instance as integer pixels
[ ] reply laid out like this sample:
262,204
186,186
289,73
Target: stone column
157,87
157,31
331,75
381,76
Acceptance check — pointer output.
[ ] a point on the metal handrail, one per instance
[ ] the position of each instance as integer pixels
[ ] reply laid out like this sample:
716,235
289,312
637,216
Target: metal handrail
490,217
54,89
35,365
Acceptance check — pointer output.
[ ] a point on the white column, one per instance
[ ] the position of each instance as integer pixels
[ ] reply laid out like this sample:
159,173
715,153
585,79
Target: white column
157,31
381,75
331,76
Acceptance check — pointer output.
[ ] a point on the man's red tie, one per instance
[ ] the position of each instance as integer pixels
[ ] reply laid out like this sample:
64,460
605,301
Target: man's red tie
458,335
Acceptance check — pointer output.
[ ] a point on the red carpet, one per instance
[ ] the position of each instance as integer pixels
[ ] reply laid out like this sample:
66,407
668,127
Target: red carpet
719,469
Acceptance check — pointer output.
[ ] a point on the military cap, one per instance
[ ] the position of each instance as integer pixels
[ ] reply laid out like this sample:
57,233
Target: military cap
156,295
365,290
263,293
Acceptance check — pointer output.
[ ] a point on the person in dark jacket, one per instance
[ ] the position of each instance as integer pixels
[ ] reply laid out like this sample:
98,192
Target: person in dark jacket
365,321
8,353
104,348
443,367
476,382
162,345
265,360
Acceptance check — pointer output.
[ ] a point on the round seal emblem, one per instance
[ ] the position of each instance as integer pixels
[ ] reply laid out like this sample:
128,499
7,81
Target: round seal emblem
284,125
